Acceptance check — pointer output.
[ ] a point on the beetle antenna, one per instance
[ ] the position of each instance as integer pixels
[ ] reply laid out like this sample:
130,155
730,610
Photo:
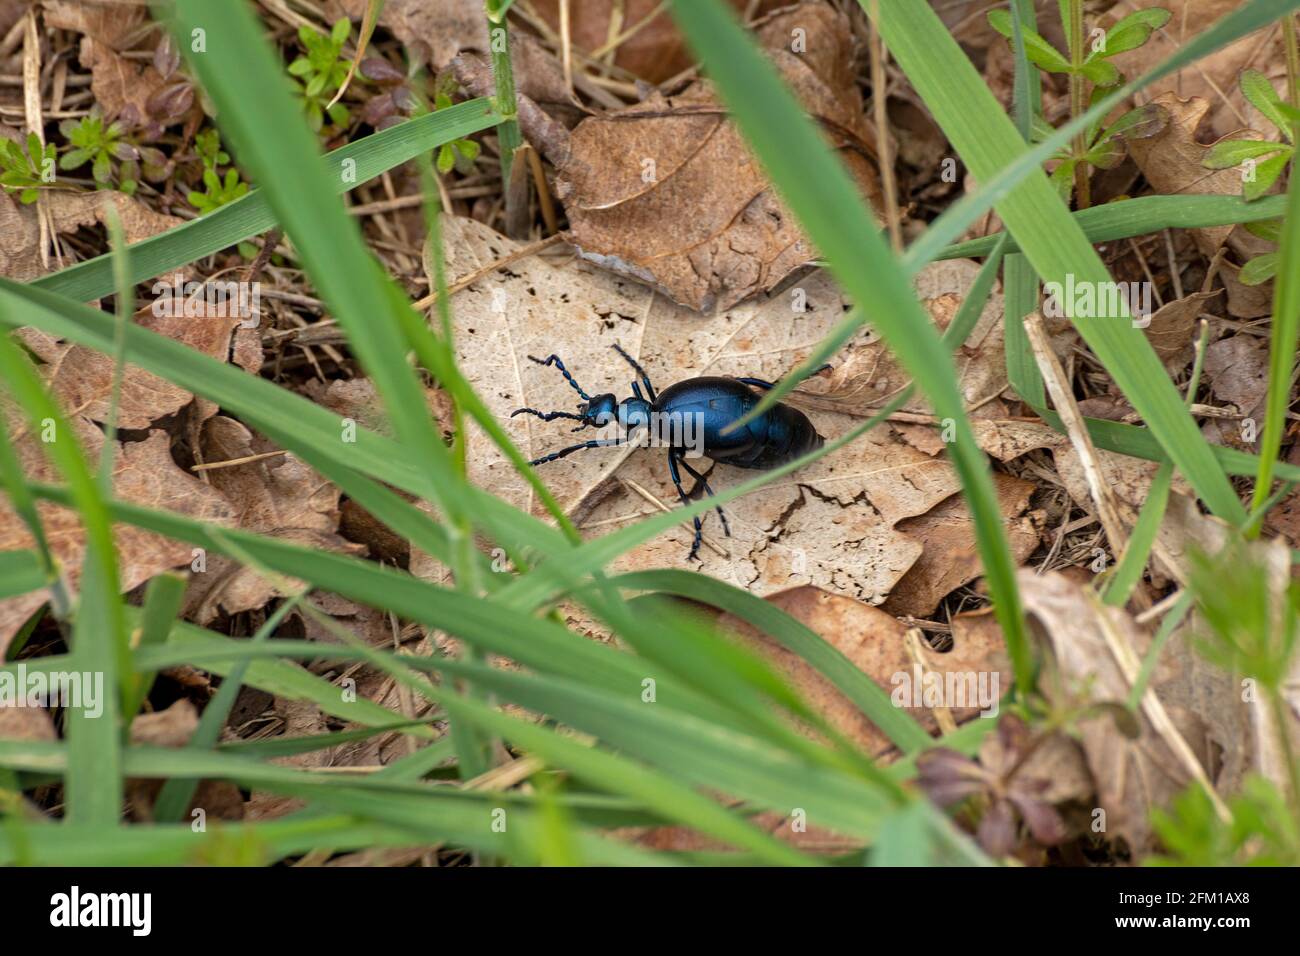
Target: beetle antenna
554,359
547,416
645,379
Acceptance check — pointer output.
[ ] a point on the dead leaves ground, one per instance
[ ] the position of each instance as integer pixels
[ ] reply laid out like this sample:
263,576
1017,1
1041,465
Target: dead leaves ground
871,547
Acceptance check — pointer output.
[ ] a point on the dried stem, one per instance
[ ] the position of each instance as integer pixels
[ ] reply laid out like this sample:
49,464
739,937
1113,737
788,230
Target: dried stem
1074,29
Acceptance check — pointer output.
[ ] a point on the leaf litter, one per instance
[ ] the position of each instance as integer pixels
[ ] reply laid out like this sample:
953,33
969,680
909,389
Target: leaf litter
859,546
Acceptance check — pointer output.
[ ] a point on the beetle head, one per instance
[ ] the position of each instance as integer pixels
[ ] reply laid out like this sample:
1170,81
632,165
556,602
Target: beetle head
600,410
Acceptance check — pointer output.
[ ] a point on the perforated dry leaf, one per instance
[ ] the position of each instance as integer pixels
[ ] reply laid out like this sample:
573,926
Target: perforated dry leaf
667,191
832,524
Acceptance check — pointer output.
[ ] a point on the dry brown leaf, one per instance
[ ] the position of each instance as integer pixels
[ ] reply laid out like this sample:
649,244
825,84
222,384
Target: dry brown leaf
117,82
1245,301
172,727
866,374
654,51
436,30
631,173
1236,369
1215,77
1097,652
20,240
82,377
71,210
280,497
1128,477
356,398
143,473
20,256
874,641
1171,162
951,558
116,25
1173,325
26,723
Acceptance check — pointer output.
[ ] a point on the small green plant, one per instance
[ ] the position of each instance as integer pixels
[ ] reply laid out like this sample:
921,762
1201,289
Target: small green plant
1264,162
1128,34
460,152
321,73
218,190
1262,268
1251,622
1262,172
103,145
1261,832
1098,147
207,146
1105,148
26,172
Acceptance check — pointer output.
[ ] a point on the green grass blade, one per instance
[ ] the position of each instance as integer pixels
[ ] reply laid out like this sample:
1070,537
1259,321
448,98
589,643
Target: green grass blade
829,208
271,139
348,167
163,597
99,639
795,636
993,188
20,573
290,420
1052,241
1138,217
1282,348
1134,559
176,794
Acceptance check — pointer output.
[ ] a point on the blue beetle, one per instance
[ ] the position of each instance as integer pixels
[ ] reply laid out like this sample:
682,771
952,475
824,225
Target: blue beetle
779,435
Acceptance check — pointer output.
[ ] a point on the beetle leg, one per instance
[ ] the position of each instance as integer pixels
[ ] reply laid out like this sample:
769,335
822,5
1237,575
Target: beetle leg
645,379
554,359
704,483
564,452
547,416
681,493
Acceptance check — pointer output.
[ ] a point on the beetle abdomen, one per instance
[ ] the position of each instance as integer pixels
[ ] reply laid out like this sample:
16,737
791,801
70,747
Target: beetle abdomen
713,403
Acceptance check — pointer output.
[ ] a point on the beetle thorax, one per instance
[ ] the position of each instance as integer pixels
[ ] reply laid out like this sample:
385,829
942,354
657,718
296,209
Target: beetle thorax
634,413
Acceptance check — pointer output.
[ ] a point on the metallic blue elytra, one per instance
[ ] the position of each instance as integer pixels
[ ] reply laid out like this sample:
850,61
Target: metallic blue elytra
691,415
